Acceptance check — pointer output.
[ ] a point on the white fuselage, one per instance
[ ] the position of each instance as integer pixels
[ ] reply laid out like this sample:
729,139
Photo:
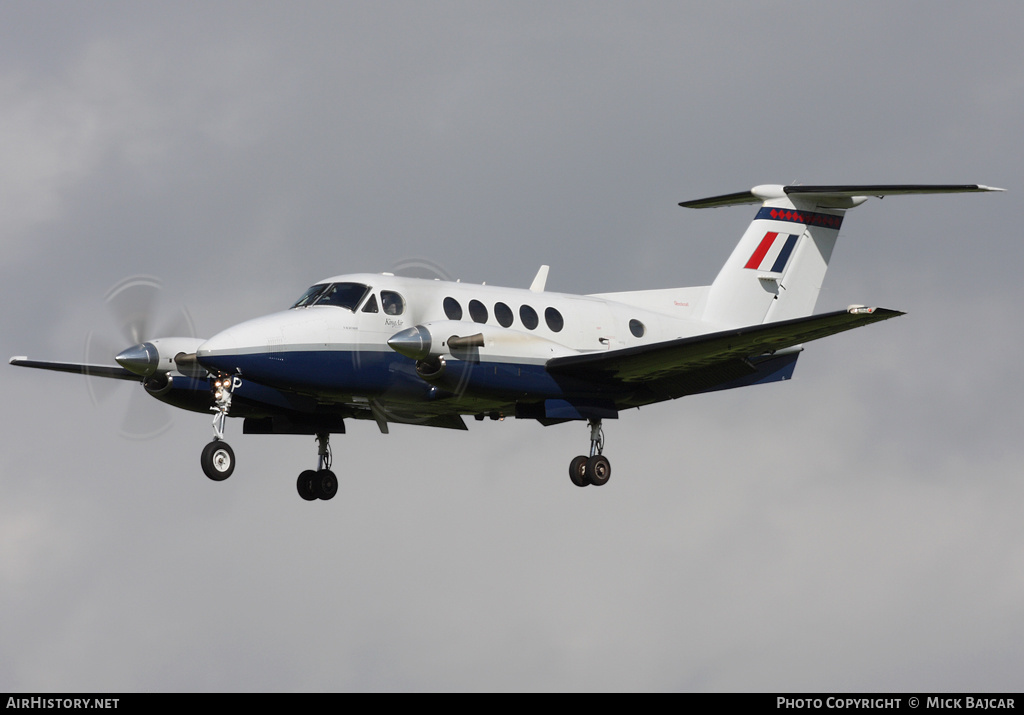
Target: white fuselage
519,325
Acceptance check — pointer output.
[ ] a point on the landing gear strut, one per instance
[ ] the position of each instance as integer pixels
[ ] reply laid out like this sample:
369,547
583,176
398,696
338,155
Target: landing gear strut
218,459
595,469
322,483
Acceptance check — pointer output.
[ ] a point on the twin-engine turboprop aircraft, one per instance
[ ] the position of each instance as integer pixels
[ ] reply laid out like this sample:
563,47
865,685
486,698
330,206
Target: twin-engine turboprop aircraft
404,350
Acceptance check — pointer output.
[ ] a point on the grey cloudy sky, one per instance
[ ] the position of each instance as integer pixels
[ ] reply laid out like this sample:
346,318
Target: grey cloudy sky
857,528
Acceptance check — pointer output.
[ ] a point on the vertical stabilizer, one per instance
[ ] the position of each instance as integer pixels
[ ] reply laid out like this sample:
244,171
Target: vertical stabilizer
776,271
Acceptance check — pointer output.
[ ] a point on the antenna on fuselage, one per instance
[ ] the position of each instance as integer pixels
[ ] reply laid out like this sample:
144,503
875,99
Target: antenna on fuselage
540,280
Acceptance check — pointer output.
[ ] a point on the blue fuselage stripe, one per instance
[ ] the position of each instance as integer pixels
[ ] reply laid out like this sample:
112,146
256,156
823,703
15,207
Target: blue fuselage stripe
367,372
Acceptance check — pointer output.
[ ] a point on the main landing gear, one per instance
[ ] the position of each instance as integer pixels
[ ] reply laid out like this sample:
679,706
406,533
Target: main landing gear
595,469
321,483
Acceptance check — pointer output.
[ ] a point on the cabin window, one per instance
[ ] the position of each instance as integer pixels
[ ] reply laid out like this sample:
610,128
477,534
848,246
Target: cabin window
393,303
554,320
529,317
503,314
477,311
452,309
371,304
637,328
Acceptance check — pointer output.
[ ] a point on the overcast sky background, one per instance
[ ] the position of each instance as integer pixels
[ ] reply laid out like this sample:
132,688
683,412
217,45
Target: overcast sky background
857,528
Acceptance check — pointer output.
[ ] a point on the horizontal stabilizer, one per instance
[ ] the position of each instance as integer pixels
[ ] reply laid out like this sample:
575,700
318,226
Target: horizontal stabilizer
839,194
118,373
678,357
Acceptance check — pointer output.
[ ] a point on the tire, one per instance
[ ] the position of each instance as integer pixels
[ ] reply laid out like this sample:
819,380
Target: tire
599,470
325,485
218,460
306,485
578,471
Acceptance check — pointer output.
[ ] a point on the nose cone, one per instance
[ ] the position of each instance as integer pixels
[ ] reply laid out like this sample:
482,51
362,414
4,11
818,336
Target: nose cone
412,342
142,359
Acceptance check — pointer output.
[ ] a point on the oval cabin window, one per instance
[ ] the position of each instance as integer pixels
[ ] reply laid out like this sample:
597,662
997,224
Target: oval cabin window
477,311
452,309
503,314
529,317
554,320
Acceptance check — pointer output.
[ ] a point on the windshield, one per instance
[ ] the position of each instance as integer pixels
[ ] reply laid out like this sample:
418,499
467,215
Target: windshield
310,296
343,295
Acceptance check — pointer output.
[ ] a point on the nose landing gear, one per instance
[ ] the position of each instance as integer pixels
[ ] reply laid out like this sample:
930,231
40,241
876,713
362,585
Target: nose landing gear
595,469
218,459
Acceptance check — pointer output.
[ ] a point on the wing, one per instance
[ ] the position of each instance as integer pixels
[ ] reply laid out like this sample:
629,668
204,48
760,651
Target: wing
118,373
702,362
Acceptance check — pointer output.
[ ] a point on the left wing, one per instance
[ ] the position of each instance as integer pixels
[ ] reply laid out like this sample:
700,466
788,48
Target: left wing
118,373
678,358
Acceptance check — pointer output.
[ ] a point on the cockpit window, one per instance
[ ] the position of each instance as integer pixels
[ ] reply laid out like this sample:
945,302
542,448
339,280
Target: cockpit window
343,295
310,296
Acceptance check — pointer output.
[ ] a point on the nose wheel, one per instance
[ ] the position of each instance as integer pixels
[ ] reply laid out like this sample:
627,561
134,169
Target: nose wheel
595,469
218,460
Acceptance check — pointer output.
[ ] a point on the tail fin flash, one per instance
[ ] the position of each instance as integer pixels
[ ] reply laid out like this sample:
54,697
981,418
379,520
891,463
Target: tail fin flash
776,271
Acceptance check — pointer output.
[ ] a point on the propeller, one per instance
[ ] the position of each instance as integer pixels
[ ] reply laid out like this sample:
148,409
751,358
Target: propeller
133,307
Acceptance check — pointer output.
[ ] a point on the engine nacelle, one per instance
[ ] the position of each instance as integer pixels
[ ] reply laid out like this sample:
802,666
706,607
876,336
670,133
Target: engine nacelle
182,391
431,339
466,341
156,355
449,354
432,369
159,384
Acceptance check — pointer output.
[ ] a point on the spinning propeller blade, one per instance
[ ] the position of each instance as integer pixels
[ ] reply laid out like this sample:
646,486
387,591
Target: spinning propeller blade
132,304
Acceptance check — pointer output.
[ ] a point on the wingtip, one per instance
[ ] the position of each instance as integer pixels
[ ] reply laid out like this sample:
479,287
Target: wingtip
882,313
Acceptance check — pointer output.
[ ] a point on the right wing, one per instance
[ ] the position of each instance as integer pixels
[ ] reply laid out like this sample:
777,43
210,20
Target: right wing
710,354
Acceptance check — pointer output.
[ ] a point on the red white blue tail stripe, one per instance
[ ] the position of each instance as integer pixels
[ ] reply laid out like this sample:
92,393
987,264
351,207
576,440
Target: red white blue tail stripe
773,252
